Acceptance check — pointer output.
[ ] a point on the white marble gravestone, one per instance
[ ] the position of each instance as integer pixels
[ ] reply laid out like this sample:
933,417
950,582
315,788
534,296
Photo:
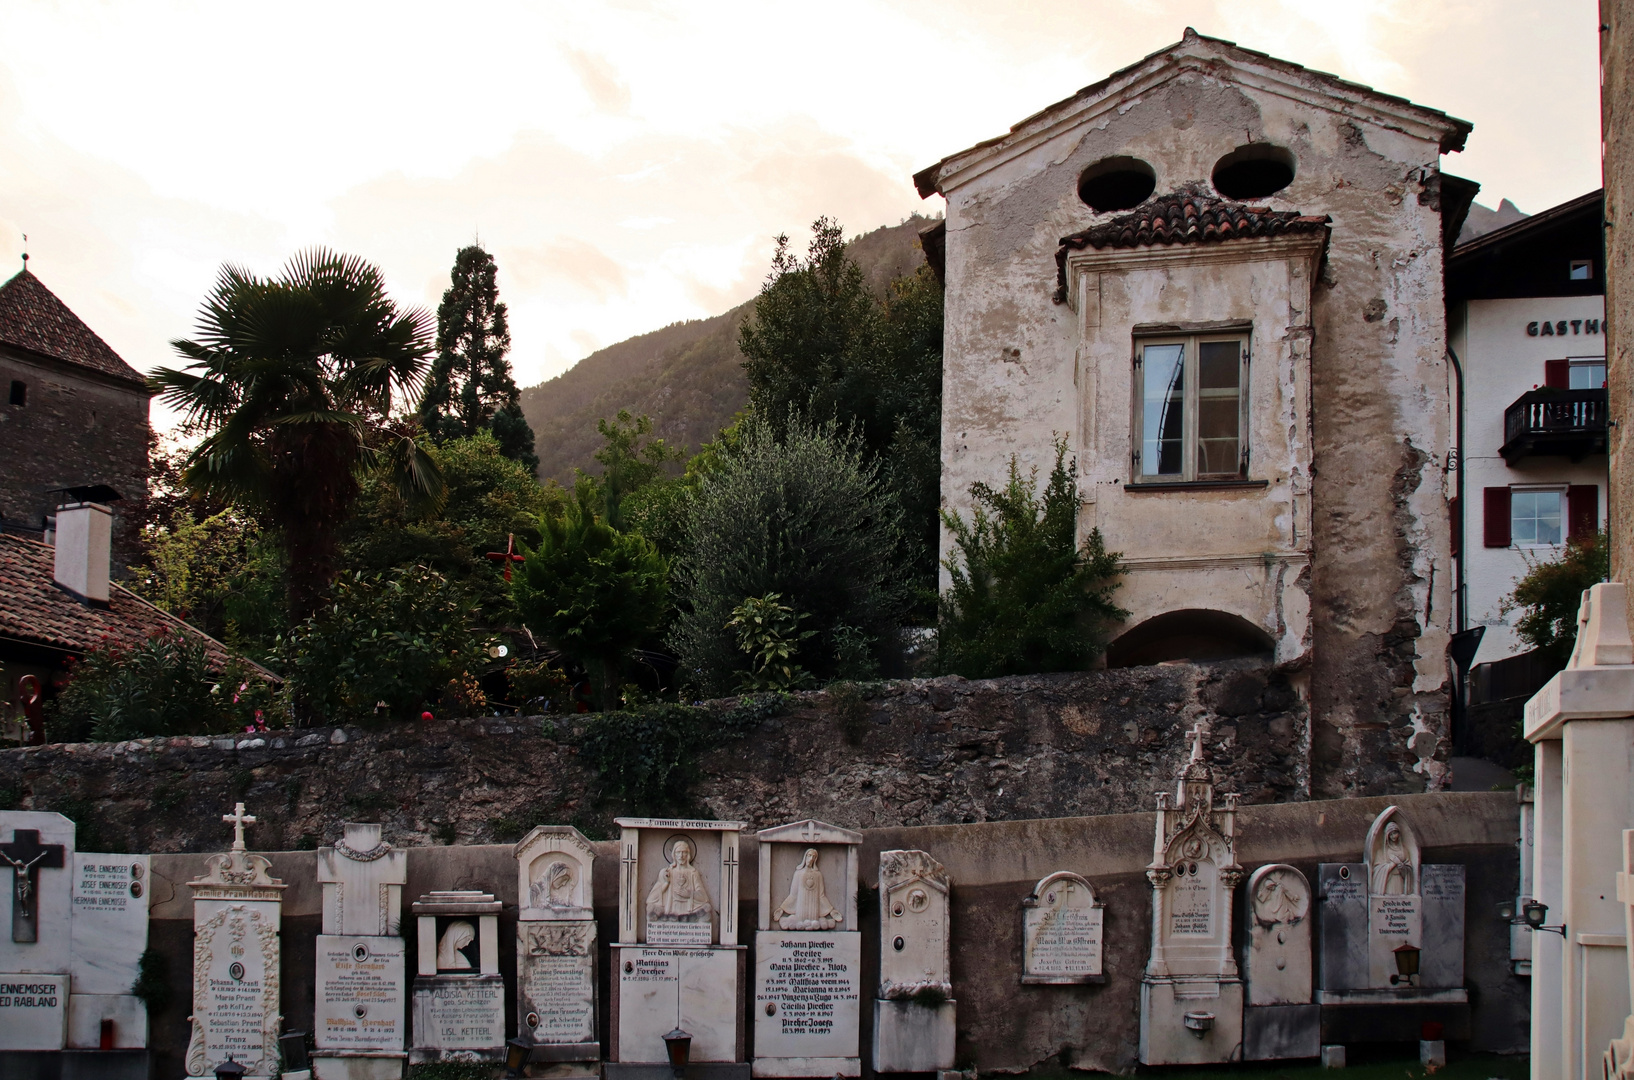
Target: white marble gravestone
1061,932
36,905
361,983
110,933
914,1011
1389,902
1191,996
1617,1063
556,950
677,960
236,913
459,995
1280,1020
808,953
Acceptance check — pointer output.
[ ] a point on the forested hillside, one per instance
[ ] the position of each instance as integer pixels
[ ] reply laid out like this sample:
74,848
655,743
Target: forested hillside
687,376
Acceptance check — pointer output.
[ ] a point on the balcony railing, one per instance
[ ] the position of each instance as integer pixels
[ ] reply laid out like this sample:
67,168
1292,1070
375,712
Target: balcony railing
1558,423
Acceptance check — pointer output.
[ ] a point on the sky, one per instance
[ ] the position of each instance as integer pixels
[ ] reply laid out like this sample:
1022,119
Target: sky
630,162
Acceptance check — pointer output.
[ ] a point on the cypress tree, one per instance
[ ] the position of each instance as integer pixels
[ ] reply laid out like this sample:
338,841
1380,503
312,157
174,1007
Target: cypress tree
470,385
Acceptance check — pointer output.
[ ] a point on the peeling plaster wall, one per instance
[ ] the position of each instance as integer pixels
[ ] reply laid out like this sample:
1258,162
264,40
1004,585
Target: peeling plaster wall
1379,581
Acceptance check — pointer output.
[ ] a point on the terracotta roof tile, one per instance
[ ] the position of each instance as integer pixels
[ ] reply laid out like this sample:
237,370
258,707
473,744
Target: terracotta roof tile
1192,215
32,318
33,610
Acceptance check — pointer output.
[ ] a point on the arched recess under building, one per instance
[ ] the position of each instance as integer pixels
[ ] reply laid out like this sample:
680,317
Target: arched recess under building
1190,634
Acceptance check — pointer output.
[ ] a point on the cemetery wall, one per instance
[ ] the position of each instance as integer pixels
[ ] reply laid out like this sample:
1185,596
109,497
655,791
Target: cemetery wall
918,752
1003,1026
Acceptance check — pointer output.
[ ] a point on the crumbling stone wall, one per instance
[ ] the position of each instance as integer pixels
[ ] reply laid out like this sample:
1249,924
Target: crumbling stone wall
918,752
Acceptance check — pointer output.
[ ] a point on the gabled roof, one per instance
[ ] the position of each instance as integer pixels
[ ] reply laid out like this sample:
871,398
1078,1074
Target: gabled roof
32,318
1210,55
33,611
1590,205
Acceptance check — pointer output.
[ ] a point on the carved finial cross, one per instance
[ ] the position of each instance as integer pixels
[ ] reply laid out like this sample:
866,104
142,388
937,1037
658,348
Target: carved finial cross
1195,735
238,819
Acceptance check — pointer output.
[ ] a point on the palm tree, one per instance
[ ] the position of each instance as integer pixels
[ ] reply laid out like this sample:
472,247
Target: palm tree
292,382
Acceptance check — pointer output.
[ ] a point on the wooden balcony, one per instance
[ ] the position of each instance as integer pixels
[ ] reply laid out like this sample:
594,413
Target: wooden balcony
1555,423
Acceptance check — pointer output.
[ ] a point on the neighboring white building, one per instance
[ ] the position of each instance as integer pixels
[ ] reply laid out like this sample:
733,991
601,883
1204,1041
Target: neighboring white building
1526,321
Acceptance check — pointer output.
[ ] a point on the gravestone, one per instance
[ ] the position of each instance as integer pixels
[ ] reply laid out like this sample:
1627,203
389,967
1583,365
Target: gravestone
459,996
1191,996
109,935
236,916
1385,915
556,950
914,1011
1061,930
1280,1019
1617,1063
36,905
677,960
808,953
360,980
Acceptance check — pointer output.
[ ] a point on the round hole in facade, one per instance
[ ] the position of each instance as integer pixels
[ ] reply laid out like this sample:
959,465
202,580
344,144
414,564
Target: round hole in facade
1253,171
1116,183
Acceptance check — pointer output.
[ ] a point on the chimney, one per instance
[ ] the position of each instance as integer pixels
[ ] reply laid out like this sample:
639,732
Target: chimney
83,541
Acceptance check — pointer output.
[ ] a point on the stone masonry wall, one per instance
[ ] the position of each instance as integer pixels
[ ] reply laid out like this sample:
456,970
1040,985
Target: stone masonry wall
921,752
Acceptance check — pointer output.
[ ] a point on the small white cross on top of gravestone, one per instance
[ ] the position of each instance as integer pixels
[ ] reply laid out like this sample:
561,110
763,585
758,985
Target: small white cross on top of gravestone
238,819
1194,736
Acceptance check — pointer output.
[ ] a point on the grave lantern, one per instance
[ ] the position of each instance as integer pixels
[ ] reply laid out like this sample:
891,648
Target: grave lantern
678,1043
1537,913
1406,964
516,1056
230,1070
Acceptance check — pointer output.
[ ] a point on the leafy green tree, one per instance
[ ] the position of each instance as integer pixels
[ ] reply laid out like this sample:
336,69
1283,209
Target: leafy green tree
769,633
1025,597
292,383
592,591
631,460
470,387
807,518
1550,593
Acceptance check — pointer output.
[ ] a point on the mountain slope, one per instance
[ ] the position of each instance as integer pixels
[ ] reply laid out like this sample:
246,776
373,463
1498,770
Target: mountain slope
687,376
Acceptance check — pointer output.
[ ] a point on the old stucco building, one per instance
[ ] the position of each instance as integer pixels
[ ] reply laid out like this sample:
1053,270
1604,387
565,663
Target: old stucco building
1219,276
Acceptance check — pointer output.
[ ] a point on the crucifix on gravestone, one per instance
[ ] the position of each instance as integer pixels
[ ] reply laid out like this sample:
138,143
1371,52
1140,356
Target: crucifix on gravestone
27,856
238,819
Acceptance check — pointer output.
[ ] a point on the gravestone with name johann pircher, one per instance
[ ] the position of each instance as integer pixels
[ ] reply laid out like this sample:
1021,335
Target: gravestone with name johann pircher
459,995
808,953
1392,933
361,984
556,951
679,968
1280,1019
237,908
1191,997
914,1012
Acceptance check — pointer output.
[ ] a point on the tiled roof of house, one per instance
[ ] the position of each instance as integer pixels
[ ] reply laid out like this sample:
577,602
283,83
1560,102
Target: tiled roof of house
32,318
1192,215
33,610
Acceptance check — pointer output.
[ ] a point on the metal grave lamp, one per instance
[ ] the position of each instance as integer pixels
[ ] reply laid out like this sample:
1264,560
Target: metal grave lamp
230,1070
516,1056
1536,913
1406,965
679,1045
293,1046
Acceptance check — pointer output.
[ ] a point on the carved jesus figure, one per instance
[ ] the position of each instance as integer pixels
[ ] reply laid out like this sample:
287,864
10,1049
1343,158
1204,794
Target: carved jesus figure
807,907
679,894
1393,873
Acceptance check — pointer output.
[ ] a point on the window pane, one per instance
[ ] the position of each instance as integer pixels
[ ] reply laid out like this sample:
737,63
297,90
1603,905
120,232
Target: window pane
1219,413
1586,376
1163,397
1534,517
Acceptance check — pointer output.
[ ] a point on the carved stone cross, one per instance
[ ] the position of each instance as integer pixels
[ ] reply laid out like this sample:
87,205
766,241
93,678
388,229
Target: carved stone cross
238,819
27,857
1195,737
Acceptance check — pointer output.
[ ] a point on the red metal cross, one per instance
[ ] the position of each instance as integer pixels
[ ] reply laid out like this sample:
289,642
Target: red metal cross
507,556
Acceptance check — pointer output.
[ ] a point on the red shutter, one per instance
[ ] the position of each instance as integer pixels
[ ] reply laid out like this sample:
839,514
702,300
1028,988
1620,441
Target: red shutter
1496,507
1457,528
1557,373
1582,511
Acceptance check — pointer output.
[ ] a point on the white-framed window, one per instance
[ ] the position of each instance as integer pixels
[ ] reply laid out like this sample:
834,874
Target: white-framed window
1586,373
1537,516
1190,419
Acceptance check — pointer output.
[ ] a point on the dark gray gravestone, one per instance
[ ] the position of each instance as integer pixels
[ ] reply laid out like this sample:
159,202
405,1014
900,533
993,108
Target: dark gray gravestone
1281,1032
1441,960
1341,962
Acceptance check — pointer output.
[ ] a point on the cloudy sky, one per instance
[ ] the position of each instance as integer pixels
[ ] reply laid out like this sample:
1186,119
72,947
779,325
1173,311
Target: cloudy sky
629,162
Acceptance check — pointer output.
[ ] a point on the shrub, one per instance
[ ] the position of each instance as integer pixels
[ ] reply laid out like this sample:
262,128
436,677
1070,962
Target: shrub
1550,593
1025,597
539,686
769,633
807,518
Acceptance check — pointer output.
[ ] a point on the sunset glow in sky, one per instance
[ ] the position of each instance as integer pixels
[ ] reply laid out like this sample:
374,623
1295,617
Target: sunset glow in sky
629,162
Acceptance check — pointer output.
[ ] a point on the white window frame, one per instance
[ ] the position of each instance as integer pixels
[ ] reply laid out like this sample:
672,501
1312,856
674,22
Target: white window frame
1188,472
1534,489
1585,361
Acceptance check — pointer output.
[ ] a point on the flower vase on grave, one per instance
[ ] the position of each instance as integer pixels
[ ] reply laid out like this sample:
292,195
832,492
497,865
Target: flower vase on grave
361,982
1191,998
808,953
914,1011
459,996
677,961
556,951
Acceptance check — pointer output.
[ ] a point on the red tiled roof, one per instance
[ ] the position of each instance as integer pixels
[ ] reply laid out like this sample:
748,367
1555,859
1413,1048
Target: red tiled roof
32,318
34,611
1192,215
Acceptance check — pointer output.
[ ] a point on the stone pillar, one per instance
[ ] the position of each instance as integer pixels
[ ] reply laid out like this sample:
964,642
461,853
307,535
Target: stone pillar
1588,710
